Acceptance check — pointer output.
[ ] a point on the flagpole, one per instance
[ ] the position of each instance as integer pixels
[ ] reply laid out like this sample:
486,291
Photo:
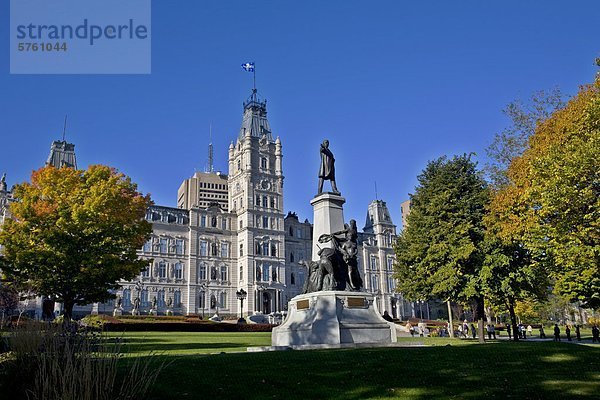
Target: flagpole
254,76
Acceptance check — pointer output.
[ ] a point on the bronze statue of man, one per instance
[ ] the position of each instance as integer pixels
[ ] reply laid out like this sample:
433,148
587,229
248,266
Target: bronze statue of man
327,169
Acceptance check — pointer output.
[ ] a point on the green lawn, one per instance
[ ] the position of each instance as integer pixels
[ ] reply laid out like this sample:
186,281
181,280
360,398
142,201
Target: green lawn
190,343
449,368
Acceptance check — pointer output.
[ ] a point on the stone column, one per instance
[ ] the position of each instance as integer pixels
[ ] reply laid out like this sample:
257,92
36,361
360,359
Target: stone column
328,217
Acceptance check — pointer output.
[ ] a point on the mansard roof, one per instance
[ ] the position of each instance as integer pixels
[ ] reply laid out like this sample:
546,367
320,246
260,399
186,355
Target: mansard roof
62,154
254,121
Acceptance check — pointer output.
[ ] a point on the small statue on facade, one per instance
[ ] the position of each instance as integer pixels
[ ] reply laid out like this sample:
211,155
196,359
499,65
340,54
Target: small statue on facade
327,168
136,306
213,273
169,302
3,183
154,303
274,275
258,274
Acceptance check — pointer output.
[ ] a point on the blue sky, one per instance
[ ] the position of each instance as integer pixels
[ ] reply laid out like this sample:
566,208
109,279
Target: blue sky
391,84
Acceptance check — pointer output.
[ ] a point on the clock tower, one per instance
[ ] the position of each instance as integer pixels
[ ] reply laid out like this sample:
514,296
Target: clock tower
255,184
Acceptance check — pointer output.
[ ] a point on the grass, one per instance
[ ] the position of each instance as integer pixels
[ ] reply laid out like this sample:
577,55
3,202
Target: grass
191,343
215,365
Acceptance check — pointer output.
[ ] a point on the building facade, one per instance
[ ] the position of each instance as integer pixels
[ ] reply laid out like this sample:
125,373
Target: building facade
229,232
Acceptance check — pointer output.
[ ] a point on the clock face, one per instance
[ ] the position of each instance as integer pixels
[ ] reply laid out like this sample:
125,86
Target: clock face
265,184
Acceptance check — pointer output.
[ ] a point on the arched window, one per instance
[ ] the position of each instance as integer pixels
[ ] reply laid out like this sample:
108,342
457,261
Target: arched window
292,256
202,300
162,269
177,299
126,298
291,231
160,298
202,272
374,282
265,248
144,298
273,250
178,270
292,279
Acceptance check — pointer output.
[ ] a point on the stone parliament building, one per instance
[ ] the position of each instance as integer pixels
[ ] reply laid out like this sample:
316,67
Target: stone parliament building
230,232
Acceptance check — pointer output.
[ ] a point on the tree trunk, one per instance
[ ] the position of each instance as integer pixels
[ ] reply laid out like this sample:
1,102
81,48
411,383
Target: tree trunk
68,311
513,319
450,325
479,317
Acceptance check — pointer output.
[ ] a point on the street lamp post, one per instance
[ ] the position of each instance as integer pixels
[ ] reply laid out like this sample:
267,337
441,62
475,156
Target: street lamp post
241,295
203,291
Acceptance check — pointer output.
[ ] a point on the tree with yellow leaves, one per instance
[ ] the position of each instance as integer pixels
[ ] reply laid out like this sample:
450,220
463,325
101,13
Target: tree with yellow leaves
75,233
551,203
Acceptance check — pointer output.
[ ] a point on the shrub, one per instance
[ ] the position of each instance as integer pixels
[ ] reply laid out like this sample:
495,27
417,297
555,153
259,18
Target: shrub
59,362
98,321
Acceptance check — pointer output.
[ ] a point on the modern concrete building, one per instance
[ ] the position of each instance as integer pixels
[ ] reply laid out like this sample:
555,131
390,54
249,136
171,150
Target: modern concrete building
203,189
404,211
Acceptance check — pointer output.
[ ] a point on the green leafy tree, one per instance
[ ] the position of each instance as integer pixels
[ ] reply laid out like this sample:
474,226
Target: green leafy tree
552,201
74,234
439,253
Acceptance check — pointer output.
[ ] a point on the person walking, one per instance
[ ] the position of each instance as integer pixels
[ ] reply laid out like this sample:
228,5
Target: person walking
530,330
489,331
595,334
578,332
508,330
556,333
542,333
473,331
493,328
568,332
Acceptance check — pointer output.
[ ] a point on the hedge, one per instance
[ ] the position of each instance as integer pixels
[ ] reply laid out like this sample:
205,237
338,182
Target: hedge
199,326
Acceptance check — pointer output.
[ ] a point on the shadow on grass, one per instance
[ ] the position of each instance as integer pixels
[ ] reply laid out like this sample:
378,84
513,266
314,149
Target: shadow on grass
497,370
167,347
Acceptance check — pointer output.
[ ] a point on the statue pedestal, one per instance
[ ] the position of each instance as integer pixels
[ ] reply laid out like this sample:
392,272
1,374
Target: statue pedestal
152,312
117,312
333,318
328,217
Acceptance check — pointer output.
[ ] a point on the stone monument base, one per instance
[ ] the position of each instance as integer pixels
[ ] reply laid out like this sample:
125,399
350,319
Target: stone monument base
333,318
117,312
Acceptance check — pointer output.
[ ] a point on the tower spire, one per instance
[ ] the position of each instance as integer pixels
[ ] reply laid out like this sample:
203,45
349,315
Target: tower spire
64,128
210,167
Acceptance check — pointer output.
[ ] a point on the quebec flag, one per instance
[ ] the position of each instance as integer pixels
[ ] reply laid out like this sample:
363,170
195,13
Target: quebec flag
249,66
